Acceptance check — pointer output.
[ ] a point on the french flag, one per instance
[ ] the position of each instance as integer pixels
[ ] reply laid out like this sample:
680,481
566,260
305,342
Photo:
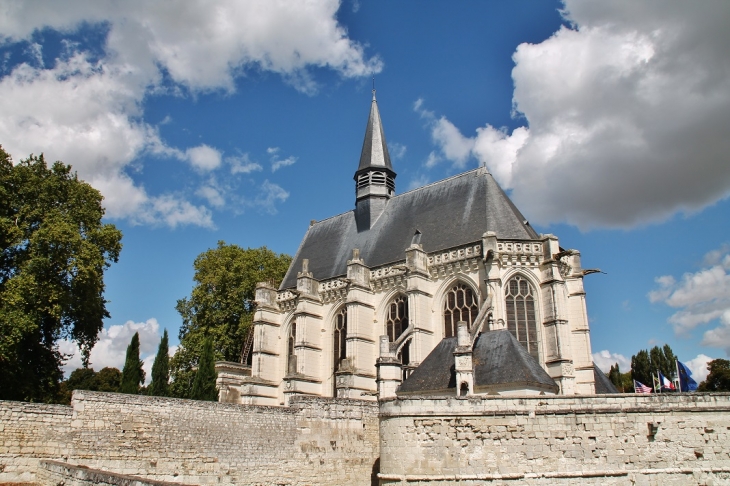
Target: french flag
665,383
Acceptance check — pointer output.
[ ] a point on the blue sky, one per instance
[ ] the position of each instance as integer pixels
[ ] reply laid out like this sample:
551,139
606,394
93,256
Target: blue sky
241,121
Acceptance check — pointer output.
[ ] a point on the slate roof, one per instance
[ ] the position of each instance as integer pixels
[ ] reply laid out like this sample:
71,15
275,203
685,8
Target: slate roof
603,384
449,213
374,148
499,361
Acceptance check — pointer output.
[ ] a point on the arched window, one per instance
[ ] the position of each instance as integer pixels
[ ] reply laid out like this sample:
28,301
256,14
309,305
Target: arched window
340,336
291,361
520,302
397,319
460,304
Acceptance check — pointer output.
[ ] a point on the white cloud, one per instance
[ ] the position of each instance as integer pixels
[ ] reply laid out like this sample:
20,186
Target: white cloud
269,195
700,297
605,359
277,163
626,116
87,111
111,348
396,150
698,367
418,181
243,164
212,195
203,157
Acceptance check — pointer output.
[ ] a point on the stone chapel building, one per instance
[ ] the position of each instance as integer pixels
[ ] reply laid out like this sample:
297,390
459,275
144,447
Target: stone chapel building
372,292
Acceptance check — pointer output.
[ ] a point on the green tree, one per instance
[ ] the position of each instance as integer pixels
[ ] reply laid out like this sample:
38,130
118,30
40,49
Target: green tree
641,368
132,373
161,370
615,376
106,380
718,380
53,253
204,383
221,306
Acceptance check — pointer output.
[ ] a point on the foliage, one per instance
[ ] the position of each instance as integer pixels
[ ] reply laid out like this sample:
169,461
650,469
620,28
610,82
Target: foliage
204,383
53,253
132,373
645,364
161,370
106,380
622,381
718,380
221,306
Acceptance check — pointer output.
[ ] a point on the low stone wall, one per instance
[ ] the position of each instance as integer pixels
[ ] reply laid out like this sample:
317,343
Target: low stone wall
30,432
314,441
61,473
604,439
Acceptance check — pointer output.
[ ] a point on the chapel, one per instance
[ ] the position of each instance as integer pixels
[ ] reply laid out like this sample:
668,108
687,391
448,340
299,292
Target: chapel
441,290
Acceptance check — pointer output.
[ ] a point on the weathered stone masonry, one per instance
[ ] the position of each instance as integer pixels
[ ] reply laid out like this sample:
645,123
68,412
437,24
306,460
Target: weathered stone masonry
314,441
602,439
606,439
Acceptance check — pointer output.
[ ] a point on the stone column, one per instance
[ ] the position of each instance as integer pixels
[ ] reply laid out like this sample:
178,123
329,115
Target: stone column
463,361
389,370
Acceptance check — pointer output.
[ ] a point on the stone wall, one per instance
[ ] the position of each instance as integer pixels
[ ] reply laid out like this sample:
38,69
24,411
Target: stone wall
30,432
603,439
314,441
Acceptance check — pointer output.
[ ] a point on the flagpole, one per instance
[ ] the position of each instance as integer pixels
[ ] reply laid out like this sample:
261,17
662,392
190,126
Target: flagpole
659,380
679,377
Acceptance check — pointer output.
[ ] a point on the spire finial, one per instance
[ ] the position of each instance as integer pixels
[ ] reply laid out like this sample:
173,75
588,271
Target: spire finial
373,87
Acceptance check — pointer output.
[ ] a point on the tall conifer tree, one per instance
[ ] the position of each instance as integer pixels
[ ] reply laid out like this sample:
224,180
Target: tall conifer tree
161,370
132,374
204,384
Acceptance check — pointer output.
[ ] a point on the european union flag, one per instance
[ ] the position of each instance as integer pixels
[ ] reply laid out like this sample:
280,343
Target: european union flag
686,383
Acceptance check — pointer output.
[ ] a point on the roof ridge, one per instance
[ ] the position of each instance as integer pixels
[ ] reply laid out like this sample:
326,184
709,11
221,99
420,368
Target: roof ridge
460,174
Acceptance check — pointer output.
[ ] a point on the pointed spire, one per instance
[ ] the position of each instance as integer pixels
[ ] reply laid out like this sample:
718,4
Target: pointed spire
374,148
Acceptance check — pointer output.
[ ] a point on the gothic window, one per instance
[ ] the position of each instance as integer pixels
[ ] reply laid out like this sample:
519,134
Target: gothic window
460,304
521,321
397,319
340,335
291,362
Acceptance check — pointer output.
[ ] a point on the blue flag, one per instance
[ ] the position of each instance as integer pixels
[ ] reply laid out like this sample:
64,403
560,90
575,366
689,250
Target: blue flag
686,383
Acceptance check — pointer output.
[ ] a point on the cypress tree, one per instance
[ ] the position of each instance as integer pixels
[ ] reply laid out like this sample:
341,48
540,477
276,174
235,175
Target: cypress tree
161,370
204,383
132,374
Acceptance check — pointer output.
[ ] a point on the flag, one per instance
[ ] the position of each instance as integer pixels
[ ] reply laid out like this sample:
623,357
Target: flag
665,383
639,387
657,383
686,383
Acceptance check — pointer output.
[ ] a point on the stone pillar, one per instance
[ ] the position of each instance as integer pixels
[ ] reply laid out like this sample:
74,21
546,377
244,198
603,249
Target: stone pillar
463,361
389,370
557,339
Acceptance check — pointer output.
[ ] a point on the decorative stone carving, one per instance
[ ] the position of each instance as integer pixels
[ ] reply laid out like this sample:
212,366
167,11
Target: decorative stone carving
460,260
333,290
519,254
385,278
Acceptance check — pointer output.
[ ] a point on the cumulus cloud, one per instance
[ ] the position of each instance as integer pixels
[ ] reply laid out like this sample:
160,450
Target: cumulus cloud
701,297
698,367
605,359
87,108
625,112
203,157
111,348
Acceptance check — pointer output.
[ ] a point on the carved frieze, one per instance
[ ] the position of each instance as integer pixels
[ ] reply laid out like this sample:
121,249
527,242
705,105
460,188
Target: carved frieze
460,260
519,253
287,300
333,290
386,278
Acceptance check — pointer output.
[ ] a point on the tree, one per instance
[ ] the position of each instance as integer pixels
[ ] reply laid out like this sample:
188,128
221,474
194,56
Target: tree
221,306
53,253
718,380
161,370
645,364
204,383
106,380
132,373
641,368
615,376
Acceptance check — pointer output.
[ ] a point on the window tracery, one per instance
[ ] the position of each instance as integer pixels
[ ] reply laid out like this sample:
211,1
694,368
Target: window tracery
397,319
340,336
460,304
521,321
